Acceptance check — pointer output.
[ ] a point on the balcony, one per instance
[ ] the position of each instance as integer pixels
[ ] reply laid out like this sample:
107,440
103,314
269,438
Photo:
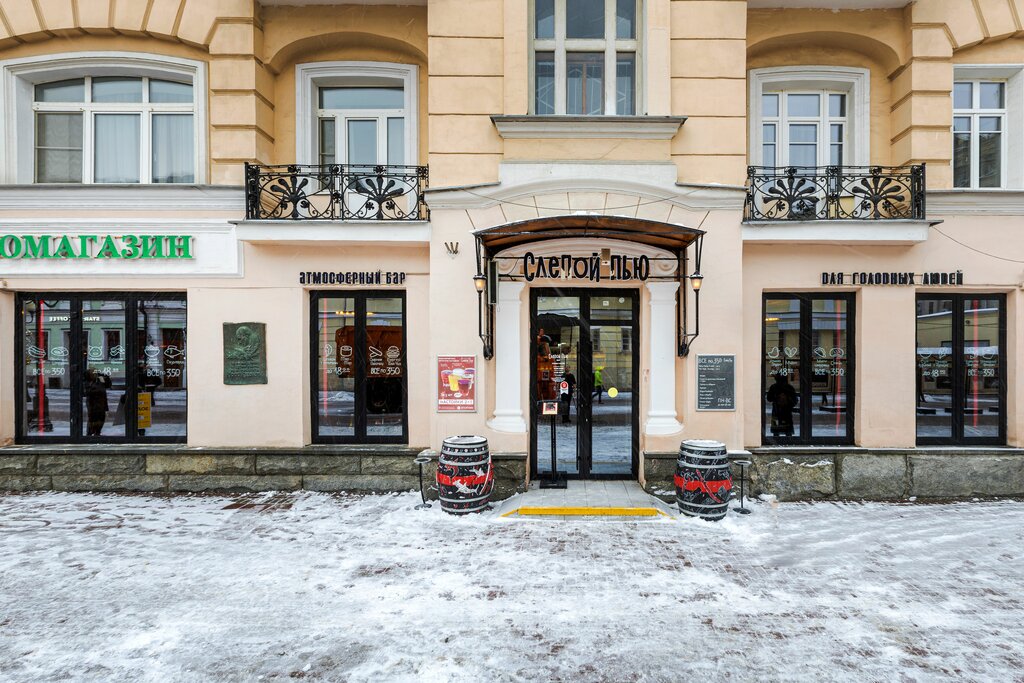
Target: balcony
335,193
867,204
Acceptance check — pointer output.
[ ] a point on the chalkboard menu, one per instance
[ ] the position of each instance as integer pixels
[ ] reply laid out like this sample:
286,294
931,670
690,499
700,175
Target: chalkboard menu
716,382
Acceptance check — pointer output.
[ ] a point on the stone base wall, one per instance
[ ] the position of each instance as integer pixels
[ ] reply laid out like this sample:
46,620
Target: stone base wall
183,469
865,474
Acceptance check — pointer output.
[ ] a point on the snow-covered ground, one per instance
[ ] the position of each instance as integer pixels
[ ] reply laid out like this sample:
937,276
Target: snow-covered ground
345,588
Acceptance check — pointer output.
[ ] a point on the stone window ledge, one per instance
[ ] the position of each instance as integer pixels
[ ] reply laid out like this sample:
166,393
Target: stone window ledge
580,127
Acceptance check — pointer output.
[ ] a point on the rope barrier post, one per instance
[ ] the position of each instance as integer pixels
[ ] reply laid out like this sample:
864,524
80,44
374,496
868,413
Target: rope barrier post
744,464
421,461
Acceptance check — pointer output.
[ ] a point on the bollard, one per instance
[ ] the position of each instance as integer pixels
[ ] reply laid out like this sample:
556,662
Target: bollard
744,464
421,461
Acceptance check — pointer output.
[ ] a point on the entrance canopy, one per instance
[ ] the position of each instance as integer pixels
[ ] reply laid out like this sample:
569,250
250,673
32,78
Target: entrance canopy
674,238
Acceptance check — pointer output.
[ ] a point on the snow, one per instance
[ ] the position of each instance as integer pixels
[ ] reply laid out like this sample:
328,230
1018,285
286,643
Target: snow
141,588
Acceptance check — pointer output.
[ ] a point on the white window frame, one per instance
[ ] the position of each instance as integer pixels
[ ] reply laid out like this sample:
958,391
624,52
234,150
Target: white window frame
855,83
610,45
1012,171
822,123
310,77
89,110
17,100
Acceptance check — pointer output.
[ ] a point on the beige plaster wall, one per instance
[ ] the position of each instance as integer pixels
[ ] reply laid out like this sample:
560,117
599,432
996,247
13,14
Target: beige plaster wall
885,316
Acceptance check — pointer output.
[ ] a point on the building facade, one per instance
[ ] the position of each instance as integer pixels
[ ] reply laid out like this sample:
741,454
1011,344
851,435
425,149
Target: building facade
275,245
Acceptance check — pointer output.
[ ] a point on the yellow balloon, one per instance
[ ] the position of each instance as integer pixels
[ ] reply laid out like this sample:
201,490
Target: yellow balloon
613,392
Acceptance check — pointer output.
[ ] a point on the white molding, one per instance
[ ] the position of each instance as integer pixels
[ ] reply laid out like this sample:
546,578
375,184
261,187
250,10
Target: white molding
652,182
583,127
1013,128
311,75
508,377
17,76
327,233
857,82
967,202
883,232
216,250
114,198
661,410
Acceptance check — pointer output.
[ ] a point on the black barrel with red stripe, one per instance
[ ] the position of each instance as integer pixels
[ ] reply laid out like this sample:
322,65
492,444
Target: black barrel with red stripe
465,476
703,479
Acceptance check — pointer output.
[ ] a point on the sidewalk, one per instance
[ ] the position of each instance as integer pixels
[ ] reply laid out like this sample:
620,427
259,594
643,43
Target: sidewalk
347,588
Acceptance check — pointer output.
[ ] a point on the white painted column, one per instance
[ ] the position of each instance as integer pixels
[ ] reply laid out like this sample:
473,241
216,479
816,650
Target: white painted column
661,413
508,339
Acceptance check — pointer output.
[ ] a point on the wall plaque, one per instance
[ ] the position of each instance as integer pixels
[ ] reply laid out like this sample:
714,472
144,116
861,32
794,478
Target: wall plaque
716,382
245,353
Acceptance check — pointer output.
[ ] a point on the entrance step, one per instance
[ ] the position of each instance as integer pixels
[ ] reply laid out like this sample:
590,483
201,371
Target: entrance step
587,498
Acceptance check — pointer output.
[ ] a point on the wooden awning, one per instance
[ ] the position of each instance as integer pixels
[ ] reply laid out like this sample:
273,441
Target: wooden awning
674,238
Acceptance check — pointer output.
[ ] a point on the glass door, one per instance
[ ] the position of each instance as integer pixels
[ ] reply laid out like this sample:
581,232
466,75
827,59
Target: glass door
584,364
613,402
961,369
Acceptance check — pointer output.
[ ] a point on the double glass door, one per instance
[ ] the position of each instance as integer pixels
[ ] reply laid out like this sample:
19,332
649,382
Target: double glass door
584,370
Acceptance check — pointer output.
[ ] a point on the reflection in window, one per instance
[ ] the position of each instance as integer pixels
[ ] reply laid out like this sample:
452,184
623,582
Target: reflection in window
960,374
360,368
979,117
46,368
803,128
807,369
585,57
86,378
336,377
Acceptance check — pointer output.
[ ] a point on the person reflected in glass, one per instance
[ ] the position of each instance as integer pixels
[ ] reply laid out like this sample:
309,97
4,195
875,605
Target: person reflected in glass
569,379
598,383
782,397
96,386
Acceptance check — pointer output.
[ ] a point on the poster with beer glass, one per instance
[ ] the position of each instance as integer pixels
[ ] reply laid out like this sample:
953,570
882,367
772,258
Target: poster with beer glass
456,384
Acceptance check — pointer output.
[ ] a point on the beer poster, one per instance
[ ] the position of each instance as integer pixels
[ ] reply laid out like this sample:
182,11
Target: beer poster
456,384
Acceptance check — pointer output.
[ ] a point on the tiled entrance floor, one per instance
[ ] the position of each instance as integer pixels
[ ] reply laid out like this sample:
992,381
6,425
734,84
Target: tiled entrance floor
605,498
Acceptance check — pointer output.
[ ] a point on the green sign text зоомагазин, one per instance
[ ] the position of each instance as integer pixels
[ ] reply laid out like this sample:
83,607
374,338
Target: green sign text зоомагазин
95,246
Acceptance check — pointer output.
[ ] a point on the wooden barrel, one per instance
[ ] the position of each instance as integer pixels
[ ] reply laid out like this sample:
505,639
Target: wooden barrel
465,476
703,479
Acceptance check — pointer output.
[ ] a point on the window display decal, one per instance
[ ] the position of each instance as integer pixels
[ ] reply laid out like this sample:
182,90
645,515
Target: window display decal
456,384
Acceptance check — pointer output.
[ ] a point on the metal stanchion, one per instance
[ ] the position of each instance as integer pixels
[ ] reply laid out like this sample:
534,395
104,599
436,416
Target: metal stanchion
421,461
744,464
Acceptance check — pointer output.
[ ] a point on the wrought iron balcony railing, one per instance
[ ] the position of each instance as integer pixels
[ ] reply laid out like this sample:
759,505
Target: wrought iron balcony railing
824,193
335,192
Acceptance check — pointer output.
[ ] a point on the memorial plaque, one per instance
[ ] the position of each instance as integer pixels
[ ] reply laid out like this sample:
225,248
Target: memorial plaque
245,353
716,382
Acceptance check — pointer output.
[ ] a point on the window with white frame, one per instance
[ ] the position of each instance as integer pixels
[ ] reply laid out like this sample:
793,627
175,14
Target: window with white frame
358,113
586,57
809,116
979,142
114,129
361,124
803,128
102,117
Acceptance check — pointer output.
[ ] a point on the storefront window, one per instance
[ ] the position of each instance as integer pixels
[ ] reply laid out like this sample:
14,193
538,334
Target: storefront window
961,377
78,377
808,369
359,347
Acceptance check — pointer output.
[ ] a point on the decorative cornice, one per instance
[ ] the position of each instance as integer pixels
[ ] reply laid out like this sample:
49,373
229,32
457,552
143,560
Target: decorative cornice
975,202
578,127
115,198
887,232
